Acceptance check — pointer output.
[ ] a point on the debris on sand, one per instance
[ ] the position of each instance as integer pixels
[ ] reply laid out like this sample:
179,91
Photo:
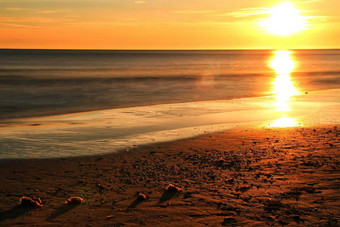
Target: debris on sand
109,217
229,221
142,197
243,188
100,187
32,201
173,188
75,200
230,180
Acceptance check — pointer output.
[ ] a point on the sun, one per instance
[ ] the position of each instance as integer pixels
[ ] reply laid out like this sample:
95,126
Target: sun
284,19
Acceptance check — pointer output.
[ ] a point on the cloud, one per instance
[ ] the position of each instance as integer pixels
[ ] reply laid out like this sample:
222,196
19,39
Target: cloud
18,9
19,25
194,11
258,12
310,1
35,21
139,2
247,12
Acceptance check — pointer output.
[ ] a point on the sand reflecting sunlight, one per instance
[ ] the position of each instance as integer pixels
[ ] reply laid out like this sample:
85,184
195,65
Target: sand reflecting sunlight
284,122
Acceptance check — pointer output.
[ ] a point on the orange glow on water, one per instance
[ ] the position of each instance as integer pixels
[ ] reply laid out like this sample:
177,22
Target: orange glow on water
283,87
282,62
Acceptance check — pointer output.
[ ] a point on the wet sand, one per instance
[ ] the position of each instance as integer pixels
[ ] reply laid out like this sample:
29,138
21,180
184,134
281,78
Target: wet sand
103,132
259,176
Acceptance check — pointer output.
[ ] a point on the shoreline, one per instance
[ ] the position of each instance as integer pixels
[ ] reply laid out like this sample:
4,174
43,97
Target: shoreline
279,176
57,114
108,131
7,120
254,126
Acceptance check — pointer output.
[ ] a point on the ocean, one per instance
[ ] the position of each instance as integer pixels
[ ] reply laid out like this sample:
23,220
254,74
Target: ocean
50,82
66,103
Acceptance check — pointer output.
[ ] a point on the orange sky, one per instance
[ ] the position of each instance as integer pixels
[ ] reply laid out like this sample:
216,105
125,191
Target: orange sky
161,24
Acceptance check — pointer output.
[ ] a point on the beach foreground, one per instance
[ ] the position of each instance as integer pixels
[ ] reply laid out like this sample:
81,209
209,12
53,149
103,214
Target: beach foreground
267,176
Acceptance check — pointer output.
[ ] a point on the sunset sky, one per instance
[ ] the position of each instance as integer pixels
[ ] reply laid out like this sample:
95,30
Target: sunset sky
163,24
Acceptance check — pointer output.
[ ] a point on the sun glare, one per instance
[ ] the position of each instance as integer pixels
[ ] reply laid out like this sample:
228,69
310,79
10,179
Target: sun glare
283,87
284,19
284,122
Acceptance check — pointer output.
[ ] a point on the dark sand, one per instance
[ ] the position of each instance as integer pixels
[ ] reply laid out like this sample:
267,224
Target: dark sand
239,177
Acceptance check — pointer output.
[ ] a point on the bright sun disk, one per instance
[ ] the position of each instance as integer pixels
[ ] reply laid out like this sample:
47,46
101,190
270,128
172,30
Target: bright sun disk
284,19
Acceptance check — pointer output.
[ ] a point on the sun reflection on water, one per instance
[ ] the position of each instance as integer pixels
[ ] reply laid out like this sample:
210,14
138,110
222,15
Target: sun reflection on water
283,87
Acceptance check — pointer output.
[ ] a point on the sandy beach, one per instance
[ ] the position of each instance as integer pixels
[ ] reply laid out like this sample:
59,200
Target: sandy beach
244,176
169,113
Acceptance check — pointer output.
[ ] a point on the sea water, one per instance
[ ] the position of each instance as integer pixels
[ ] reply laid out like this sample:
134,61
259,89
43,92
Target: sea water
144,96
49,82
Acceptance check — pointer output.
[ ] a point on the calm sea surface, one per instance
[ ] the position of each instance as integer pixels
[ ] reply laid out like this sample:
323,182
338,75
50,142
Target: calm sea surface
48,82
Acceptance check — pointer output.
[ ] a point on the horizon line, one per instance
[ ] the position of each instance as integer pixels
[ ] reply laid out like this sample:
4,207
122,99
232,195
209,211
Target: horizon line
207,49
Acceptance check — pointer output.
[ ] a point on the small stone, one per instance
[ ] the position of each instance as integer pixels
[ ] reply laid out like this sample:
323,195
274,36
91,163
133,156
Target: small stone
230,180
32,201
75,200
172,188
142,197
228,221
